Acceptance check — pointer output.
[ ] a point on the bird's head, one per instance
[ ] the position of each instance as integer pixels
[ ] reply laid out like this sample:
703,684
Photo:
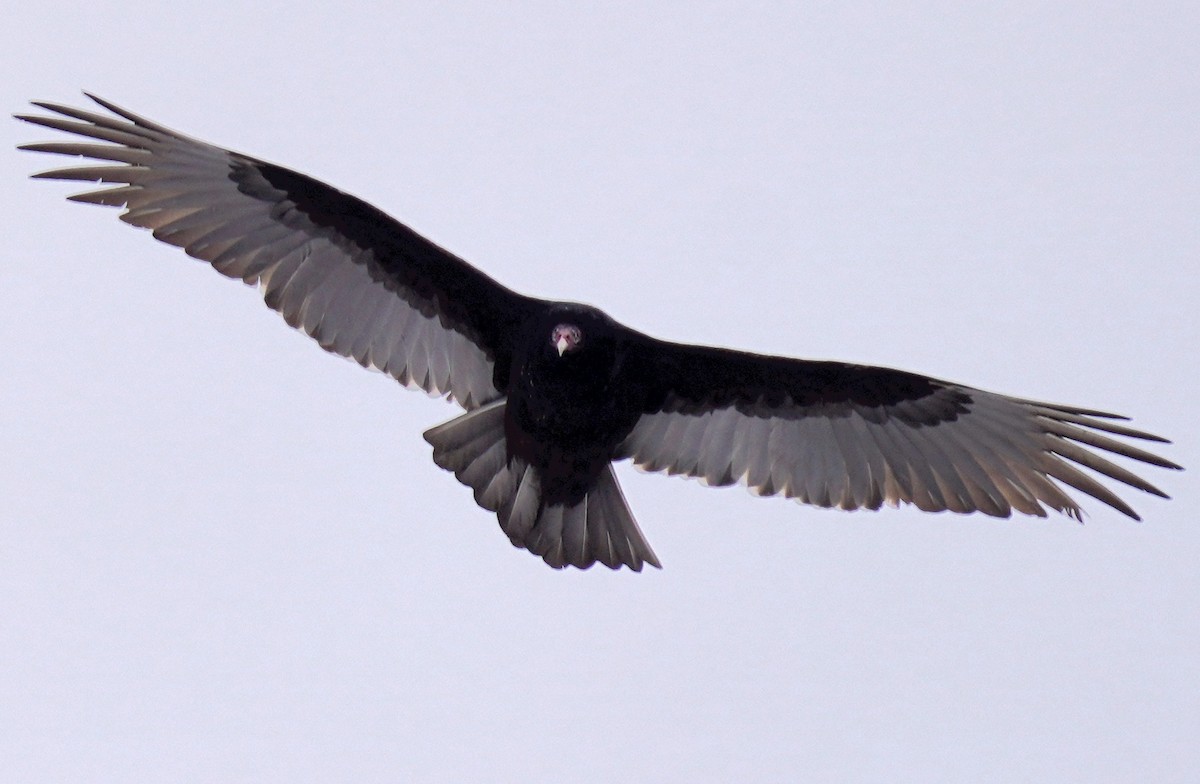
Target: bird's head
566,338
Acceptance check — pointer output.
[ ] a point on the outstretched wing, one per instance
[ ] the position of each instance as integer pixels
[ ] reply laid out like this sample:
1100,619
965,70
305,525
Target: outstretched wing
856,437
362,284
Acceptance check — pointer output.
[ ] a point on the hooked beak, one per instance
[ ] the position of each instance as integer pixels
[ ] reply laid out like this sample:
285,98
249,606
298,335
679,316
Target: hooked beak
562,344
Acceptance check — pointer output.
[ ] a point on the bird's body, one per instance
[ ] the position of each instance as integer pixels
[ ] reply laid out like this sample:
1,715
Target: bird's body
556,392
568,412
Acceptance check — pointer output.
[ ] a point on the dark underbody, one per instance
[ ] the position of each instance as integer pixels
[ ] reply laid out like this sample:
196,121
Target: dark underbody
566,414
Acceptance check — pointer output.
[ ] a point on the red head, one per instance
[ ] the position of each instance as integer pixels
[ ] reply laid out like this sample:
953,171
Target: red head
566,338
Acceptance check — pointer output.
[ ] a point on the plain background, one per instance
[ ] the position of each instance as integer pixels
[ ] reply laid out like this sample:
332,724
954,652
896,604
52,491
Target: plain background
226,556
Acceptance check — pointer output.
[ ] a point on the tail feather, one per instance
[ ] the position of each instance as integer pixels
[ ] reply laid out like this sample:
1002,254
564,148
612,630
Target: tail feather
574,531
599,528
624,538
463,440
485,468
520,514
496,492
546,536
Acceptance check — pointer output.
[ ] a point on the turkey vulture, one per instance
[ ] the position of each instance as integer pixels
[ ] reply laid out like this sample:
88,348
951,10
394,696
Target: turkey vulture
555,392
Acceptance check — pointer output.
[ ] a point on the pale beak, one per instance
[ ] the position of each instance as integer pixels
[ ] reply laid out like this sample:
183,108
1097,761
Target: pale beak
562,344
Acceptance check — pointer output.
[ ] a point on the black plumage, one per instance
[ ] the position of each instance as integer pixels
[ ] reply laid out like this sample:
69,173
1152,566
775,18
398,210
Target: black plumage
556,392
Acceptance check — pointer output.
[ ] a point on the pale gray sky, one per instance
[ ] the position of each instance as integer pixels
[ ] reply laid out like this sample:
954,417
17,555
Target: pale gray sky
227,556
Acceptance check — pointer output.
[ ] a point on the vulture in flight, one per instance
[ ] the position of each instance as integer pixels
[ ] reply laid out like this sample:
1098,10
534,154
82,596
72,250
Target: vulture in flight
555,392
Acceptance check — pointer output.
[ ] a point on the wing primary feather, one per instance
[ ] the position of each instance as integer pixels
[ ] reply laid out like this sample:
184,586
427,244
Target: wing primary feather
1098,464
129,175
201,195
1067,430
1091,412
978,480
1095,424
942,467
136,119
126,136
103,152
106,197
187,231
1065,472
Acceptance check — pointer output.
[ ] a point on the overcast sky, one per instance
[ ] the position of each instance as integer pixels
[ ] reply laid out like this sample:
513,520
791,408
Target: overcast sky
227,556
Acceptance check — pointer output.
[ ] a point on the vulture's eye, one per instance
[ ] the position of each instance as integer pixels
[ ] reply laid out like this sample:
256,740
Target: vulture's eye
566,337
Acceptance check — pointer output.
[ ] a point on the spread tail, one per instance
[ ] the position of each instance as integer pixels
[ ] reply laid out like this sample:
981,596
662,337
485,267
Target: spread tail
599,528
